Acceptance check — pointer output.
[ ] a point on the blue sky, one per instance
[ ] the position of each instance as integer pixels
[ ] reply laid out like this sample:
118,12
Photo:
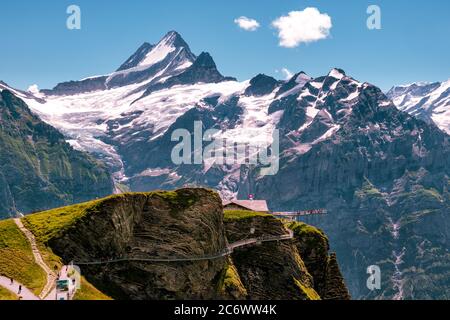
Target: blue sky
37,48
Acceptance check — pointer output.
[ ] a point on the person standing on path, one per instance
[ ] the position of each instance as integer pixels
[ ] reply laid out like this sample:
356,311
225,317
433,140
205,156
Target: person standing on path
20,289
12,281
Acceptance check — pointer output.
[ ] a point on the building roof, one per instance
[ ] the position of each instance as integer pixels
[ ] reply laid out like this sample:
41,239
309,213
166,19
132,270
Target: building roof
254,205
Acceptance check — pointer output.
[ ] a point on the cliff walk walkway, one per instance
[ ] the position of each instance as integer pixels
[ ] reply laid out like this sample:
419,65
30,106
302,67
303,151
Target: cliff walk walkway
304,213
226,252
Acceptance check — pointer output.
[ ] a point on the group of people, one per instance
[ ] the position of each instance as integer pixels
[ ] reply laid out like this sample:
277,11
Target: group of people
19,291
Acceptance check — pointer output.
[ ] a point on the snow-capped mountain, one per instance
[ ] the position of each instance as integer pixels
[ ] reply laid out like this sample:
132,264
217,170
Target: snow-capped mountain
427,101
125,125
94,113
124,117
343,146
149,65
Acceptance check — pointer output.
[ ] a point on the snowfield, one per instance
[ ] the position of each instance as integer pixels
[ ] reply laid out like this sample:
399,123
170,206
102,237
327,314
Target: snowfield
428,101
84,118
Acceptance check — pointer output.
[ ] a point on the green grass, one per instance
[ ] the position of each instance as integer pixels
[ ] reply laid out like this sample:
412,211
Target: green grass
7,295
302,229
231,282
53,223
49,224
368,189
422,193
89,292
16,258
416,216
178,200
308,293
310,236
231,215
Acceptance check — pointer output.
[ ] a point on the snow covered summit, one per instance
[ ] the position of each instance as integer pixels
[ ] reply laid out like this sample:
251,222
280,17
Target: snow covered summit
427,101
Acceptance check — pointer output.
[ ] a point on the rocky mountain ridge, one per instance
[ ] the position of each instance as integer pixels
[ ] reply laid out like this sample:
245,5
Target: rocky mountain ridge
427,101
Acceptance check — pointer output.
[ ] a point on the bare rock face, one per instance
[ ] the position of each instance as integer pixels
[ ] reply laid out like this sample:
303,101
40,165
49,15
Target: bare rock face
334,282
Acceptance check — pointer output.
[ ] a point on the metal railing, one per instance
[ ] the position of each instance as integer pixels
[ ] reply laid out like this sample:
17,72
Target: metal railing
226,252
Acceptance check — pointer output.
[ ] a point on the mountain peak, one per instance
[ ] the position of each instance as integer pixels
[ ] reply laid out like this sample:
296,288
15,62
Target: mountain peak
337,73
175,39
301,77
148,54
262,77
202,70
261,85
205,60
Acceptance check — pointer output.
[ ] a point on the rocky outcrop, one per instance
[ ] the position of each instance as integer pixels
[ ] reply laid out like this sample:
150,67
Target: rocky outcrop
300,268
178,224
203,70
313,246
76,87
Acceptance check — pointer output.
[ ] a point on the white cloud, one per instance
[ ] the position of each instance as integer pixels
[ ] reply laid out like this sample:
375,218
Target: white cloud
304,26
287,73
247,24
33,89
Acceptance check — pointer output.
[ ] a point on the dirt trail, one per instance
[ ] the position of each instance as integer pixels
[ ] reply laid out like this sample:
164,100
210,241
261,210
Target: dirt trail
51,276
25,293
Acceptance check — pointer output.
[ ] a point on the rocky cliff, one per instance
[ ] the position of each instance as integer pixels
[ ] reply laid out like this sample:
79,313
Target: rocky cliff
188,224
300,268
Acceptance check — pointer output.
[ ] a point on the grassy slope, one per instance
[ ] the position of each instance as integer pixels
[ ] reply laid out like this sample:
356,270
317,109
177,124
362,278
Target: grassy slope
231,215
7,295
230,283
49,224
89,292
16,258
302,229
